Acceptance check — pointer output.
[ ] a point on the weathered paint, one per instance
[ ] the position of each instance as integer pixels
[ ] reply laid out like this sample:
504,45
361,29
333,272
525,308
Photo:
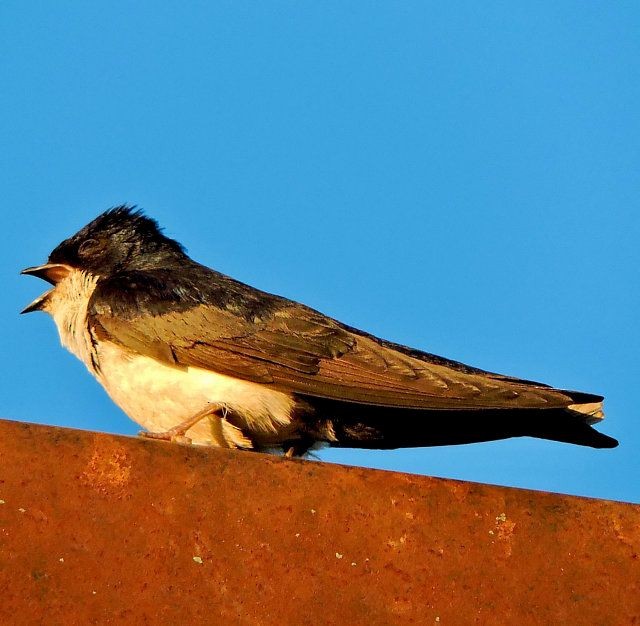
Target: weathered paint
98,529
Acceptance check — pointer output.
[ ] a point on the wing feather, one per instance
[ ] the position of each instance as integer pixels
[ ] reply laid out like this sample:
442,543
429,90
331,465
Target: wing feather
296,349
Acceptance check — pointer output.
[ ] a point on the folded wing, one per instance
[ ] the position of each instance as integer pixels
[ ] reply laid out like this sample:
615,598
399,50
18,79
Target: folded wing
270,340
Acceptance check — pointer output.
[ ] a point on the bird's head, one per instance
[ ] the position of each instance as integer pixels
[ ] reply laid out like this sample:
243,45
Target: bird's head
120,239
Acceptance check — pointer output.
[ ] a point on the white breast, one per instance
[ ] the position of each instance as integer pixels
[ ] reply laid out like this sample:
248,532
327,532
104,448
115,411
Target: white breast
159,396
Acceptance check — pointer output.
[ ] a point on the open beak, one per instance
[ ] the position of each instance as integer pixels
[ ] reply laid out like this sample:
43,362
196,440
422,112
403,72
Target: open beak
53,273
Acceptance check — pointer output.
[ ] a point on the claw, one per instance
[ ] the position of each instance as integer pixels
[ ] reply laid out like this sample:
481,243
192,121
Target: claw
182,439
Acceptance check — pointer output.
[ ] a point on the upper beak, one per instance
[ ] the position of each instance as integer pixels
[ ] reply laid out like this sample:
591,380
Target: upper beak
52,273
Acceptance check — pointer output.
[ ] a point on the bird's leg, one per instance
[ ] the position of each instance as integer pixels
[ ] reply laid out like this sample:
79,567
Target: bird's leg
177,433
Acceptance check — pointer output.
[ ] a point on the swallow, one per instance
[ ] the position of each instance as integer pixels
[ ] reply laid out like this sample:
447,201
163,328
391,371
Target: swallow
195,356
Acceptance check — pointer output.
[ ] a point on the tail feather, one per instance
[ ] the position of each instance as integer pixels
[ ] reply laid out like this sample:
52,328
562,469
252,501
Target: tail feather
592,410
357,426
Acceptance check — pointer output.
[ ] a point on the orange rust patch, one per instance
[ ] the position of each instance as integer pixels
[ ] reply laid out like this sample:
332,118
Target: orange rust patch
108,471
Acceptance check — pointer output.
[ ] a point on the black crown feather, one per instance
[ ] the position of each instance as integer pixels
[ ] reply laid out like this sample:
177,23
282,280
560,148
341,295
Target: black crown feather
122,236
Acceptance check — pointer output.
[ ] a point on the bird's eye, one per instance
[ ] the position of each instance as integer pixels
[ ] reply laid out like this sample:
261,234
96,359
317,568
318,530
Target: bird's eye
89,247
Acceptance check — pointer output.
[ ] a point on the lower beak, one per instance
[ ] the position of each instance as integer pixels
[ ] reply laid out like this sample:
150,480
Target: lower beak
38,304
53,273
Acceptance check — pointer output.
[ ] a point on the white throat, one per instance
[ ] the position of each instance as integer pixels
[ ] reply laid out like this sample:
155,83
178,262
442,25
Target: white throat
67,304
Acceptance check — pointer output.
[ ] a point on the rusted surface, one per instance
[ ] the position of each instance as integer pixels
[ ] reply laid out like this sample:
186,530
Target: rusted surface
97,529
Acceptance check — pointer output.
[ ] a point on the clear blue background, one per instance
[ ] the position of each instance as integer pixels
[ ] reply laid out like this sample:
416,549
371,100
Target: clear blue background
462,177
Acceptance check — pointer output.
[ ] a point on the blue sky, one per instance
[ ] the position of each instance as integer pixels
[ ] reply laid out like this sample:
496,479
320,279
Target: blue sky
461,177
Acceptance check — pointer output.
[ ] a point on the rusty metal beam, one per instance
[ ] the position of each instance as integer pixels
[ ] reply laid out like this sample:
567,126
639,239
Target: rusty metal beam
98,529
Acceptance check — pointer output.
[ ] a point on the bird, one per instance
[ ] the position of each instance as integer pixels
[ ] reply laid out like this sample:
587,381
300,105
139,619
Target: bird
197,357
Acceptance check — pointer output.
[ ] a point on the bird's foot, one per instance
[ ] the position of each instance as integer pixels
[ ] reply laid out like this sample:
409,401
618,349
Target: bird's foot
173,435
177,433
296,448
